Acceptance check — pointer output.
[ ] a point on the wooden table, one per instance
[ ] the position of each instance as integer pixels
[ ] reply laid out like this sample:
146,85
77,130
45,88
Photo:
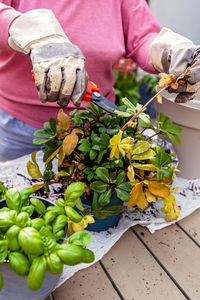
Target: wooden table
141,265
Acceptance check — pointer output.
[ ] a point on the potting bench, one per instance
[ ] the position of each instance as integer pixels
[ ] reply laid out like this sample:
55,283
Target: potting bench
141,265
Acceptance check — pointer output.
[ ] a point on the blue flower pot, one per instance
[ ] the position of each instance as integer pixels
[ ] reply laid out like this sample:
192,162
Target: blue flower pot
110,221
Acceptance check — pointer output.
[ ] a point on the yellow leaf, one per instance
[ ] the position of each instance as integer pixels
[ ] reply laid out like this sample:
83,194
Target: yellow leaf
159,99
53,155
61,156
88,219
75,227
33,170
145,167
158,189
141,147
63,120
33,156
69,144
150,197
76,130
37,186
131,173
145,155
114,143
138,197
170,209
126,145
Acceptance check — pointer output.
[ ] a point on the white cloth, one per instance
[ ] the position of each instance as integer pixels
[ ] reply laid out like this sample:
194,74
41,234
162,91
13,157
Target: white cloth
188,197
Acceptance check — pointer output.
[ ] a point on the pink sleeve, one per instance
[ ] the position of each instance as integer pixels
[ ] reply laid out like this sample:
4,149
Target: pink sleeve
7,15
140,29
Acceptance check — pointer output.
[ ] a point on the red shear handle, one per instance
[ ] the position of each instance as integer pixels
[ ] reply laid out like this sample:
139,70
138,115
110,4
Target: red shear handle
90,89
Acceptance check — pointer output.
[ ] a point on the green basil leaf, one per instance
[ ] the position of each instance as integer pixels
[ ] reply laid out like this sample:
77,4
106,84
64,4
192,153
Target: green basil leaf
3,250
80,238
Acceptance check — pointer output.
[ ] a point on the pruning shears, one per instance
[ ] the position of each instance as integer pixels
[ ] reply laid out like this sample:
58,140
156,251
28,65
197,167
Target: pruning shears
93,95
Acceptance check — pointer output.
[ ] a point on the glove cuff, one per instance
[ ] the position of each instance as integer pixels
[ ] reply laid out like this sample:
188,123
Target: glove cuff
39,25
170,42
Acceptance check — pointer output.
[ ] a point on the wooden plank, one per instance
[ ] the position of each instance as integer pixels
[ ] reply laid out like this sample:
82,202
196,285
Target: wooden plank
179,255
191,225
136,273
90,283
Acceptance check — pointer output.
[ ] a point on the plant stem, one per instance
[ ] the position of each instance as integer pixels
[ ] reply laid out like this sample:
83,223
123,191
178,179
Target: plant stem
144,106
150,137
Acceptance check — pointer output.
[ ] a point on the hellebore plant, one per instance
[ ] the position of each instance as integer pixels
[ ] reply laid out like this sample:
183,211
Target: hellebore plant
109,154
31,235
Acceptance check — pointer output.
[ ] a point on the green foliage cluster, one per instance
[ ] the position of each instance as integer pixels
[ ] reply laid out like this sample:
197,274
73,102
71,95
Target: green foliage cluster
30,235
128,85
83,153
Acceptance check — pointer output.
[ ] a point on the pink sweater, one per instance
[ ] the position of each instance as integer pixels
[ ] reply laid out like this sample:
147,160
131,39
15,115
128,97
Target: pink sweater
104,31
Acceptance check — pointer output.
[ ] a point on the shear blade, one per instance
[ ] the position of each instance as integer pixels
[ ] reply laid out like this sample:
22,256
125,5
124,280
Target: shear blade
104,103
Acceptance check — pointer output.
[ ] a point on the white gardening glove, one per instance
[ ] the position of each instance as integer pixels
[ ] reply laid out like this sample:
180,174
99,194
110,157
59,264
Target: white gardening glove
172,53
58,65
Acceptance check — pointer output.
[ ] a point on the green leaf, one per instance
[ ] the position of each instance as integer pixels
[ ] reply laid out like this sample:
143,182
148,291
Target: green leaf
52,123
126,186
74,191
175,139
175,129
80,238
49,243
39,141
163,121
92,154
96,147
168,173
42,133
100,156
105,139
103,213
144,120
3,250
98,186
128,104
123,195
162,158
104,198
1,281
90,176
103,174
160,175
47,127
120,177
85,145
63,173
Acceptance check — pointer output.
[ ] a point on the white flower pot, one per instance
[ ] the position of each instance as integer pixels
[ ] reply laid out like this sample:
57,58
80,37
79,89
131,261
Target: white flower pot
15,286
187,116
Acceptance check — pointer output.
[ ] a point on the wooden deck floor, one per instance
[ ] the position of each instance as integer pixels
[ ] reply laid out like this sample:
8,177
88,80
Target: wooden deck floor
165,265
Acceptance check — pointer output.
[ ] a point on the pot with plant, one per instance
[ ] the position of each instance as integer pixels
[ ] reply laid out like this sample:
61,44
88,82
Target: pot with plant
113,156
33,246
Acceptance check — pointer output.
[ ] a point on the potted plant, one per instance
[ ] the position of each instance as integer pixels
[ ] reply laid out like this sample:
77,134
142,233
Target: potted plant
32,252
112,155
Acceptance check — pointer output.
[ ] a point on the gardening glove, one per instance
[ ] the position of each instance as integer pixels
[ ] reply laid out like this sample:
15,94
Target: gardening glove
172,53
58,65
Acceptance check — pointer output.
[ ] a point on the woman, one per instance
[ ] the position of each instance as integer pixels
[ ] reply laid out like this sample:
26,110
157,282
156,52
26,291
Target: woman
45,37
